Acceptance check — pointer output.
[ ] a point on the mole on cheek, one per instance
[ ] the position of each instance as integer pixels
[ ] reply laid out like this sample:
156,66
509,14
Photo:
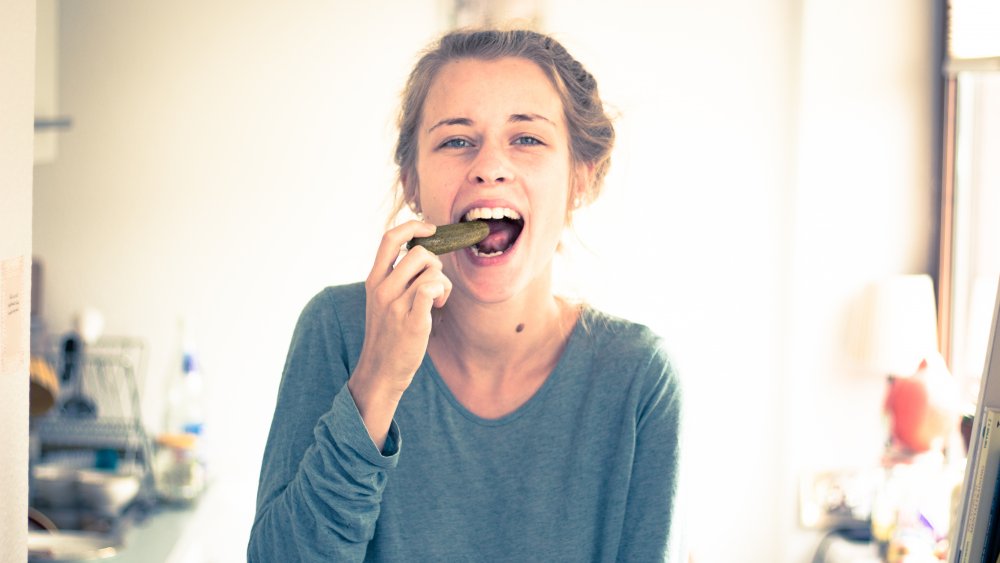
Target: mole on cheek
520,327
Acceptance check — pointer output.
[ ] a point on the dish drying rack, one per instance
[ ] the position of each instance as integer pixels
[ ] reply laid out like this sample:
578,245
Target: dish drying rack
105,375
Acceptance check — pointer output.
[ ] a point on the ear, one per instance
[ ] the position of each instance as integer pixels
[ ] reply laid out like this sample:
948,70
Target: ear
411,192
580,189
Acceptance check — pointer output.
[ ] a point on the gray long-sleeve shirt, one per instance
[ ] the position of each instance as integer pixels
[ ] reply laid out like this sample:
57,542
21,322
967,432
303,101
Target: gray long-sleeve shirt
585,470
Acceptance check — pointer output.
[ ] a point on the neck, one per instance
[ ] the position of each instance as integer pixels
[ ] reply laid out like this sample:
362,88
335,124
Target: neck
494,340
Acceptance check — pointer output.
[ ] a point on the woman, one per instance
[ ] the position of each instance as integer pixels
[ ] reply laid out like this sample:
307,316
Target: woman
452,408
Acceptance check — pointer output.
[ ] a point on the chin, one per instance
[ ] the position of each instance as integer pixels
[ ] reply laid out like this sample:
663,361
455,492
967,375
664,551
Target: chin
494,285
489,291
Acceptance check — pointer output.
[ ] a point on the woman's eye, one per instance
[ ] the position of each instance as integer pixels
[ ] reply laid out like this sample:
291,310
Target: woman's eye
526,140
456,144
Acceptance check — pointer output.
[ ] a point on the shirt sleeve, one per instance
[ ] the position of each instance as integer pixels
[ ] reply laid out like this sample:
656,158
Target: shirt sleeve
321,477
652,524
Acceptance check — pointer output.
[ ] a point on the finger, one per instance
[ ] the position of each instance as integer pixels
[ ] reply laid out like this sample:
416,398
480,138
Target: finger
430,278
440,301
413,265
389,247
434,275
424,295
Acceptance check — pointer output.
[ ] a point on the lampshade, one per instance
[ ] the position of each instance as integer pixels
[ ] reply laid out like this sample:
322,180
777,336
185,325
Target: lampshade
896,327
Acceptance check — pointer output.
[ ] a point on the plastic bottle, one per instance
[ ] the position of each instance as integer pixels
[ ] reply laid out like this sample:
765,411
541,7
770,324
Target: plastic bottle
180,457
186,402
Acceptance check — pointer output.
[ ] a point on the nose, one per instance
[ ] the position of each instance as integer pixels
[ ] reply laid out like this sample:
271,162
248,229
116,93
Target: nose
490,166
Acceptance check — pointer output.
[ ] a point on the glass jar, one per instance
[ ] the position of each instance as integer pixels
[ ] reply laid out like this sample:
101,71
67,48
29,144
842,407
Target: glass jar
177,469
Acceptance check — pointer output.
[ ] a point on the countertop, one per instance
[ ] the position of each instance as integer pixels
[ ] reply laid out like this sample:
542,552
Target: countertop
152,539
214,529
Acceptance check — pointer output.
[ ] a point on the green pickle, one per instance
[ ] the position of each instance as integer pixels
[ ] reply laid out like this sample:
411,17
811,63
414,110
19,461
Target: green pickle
449,238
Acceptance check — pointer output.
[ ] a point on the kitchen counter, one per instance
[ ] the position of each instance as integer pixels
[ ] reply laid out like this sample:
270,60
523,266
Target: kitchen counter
215,529
150,540
156,537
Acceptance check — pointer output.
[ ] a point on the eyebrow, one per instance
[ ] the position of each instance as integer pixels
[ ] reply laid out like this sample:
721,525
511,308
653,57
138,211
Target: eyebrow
451,121
514,118
517,117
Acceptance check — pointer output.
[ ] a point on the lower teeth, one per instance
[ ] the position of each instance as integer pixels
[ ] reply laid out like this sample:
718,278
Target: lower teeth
477,252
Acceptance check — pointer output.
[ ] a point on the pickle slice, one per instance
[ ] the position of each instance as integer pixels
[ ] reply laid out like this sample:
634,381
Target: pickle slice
449,238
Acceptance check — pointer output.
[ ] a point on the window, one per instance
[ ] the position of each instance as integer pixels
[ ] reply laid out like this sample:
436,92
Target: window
970,223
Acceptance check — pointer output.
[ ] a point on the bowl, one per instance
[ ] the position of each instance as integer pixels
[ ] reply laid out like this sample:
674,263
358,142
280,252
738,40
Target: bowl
54,485
107,492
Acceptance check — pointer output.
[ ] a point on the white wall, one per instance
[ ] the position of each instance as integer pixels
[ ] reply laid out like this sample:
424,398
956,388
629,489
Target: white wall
864,204
17,68
777,158
774,156
703,180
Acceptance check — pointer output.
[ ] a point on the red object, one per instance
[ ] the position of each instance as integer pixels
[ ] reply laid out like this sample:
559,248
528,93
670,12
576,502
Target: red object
906,403
917,419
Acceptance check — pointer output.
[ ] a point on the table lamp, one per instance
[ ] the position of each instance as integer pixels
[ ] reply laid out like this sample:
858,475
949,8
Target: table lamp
897,339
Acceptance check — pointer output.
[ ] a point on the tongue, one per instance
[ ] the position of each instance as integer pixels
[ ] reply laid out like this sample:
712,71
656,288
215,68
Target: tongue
500,237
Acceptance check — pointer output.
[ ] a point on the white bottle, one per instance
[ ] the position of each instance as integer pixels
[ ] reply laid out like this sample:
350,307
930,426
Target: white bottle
180,459
186,402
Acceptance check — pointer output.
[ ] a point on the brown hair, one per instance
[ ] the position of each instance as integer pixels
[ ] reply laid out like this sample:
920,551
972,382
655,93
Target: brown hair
591,132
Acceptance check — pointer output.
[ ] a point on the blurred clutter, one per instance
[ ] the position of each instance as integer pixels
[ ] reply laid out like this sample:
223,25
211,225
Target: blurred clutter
90,455
919,476
95,471
180,462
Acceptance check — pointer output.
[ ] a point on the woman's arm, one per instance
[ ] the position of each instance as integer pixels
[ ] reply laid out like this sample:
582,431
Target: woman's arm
652,524
322,476
331,443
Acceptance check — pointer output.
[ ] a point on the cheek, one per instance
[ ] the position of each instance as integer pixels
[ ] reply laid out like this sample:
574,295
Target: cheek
434,199
556,216
558,196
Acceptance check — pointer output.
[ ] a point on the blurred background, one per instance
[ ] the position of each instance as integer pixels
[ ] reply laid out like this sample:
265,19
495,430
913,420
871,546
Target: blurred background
223,161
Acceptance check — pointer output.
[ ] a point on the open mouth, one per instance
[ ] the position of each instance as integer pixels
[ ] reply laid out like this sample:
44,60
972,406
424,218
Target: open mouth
505,226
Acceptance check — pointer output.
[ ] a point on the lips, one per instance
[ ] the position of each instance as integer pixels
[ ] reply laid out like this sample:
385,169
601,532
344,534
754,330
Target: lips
505,225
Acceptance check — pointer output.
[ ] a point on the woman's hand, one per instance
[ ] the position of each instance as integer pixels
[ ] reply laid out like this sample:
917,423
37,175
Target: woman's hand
398,324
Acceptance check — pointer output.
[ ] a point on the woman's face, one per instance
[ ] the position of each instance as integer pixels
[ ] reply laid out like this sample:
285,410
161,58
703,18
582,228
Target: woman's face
493,143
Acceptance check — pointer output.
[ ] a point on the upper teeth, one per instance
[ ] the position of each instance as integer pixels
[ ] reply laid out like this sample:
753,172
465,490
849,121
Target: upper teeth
492,213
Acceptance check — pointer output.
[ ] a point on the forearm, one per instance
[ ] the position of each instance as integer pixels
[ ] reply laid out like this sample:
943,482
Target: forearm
326,507
375,403
290,529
